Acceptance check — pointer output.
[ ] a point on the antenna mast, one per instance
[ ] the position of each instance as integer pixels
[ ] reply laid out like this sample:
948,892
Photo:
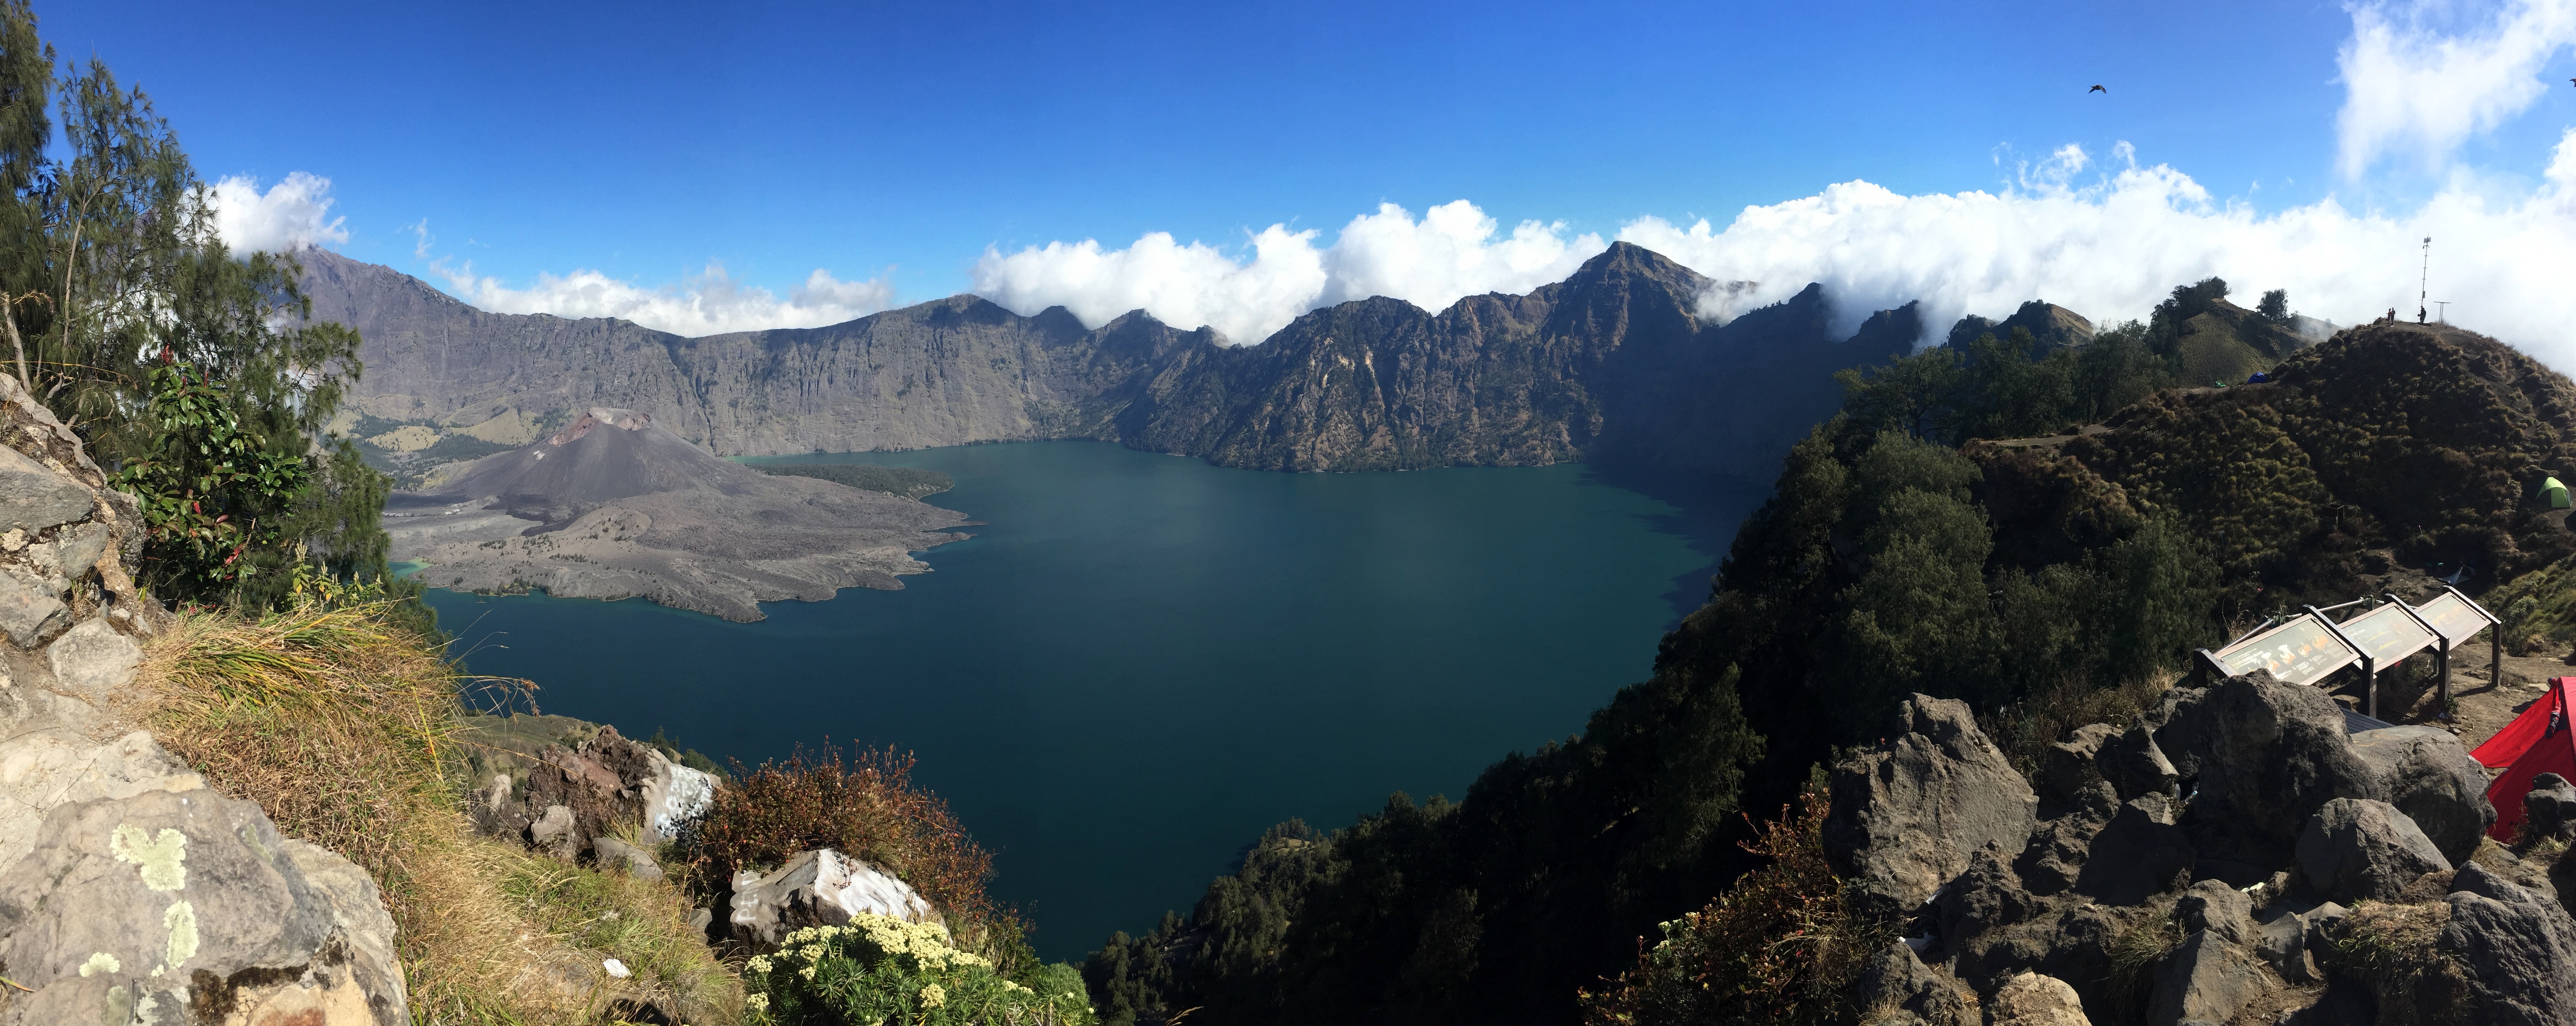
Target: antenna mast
2422,284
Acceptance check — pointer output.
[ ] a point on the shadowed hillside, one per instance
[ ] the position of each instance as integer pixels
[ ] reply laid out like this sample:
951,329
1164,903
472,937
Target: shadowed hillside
2045,580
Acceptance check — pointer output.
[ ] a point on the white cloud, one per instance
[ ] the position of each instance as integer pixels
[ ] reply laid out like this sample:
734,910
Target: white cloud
709,303
1451,252
2112,248
293,213
2415,91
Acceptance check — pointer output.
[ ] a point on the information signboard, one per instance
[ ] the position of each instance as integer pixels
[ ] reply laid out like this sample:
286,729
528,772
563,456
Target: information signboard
2387,634
2454,617
2301,651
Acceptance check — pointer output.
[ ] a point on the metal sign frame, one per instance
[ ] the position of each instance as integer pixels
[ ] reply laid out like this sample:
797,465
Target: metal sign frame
2219,661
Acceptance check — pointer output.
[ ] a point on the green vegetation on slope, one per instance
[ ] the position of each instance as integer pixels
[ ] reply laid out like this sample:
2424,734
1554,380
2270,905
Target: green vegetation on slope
1912,544
192,369
908,482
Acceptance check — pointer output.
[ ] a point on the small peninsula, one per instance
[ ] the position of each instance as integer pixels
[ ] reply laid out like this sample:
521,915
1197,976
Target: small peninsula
614,506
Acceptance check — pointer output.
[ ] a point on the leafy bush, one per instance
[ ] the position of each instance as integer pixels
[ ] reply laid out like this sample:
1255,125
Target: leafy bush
1782,945
883,971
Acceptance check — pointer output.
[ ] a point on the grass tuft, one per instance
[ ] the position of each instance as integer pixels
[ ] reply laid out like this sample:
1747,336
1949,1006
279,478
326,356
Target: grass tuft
341,724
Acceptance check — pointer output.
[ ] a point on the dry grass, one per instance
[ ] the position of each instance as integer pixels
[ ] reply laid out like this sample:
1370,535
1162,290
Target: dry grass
867,807
340,725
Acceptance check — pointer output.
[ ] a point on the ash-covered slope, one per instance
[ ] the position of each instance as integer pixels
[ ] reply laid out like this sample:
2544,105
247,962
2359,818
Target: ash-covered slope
614,506
1607,365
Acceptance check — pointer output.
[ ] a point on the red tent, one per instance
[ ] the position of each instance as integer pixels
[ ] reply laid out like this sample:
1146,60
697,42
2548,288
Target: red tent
2536,742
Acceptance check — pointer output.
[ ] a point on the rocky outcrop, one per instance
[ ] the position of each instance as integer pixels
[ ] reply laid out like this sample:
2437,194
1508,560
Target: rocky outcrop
2514,947
2257,757
186,904
571,800
2144,845
2428,775
130,892
818,888
2356,849
1907,817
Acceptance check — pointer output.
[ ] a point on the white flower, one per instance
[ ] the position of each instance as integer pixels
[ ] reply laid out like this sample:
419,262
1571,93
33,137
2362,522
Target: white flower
933,995
758,1002
758,964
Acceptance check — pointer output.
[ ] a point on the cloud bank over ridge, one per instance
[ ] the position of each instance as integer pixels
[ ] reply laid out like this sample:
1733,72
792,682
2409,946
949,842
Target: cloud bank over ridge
1452,252
708,303
2107,239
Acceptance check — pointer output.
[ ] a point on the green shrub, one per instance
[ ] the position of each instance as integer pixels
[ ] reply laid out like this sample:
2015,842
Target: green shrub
882,971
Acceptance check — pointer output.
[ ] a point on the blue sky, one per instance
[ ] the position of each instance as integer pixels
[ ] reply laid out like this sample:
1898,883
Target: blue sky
899,144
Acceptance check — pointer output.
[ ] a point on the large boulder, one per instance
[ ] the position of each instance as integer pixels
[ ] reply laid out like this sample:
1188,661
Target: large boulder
1988,896
2256,758
2059,845
2066,768
2135,765
818,888
2364,848
2549,808
2428,775
169,906
1906,817
2206,980
42,770
2290,941
2031,999
1897,987
2514,946
2139,854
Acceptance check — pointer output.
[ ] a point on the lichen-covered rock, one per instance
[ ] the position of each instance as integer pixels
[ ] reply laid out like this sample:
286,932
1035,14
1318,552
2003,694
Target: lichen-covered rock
2031,999
1906,817
2258,757
2514,947
169,907
2428,775
2354,849
41,770
818,888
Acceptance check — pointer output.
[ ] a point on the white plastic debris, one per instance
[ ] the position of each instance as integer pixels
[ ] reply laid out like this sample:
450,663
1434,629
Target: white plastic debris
616,969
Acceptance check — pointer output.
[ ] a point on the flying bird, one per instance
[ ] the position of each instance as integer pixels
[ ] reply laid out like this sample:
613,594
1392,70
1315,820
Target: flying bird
2106,92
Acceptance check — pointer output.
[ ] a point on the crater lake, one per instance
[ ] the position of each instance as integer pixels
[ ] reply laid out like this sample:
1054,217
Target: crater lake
1140,661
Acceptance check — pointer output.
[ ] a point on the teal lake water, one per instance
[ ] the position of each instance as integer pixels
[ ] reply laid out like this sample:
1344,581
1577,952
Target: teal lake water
1140,662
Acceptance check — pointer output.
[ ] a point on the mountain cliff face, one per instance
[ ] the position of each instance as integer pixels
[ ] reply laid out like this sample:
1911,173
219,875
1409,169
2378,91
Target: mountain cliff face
1607,365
